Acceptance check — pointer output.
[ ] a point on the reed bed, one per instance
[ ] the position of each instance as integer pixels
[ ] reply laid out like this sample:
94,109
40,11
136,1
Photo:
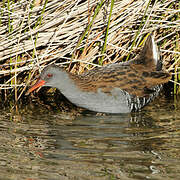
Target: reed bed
81,35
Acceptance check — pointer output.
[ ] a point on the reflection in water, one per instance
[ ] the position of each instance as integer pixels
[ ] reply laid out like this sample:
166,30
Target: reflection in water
42,144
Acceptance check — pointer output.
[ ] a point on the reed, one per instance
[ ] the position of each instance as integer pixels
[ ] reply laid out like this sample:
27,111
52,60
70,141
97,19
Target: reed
88,26
71,34
106,35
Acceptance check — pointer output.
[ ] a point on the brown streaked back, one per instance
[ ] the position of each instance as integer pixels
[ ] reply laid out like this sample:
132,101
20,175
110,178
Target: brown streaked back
134,76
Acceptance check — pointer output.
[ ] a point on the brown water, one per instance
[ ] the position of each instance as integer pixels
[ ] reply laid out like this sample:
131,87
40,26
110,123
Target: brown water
37,144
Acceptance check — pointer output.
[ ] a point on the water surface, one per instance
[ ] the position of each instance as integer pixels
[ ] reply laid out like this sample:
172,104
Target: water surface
40,144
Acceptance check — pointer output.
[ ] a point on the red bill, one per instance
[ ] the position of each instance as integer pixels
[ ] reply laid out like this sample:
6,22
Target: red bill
38,84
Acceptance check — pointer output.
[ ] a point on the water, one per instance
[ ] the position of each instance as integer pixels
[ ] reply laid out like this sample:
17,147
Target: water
38,144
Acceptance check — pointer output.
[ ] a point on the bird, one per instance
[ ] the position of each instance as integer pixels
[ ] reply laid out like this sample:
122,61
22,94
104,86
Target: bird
123,87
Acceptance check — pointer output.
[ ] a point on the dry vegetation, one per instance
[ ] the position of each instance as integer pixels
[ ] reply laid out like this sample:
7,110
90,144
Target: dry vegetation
36,33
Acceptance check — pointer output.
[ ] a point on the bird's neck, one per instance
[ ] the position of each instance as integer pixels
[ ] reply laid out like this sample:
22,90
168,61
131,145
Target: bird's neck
65,82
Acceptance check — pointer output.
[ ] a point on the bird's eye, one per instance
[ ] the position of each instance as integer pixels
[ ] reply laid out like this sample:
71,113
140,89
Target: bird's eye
49,75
